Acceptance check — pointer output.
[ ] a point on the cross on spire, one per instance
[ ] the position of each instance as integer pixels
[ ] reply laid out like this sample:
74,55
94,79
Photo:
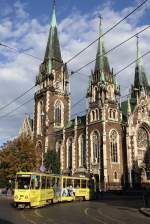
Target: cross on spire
100,17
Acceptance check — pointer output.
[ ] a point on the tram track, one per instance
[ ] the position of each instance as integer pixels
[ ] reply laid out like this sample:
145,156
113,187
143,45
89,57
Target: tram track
93,217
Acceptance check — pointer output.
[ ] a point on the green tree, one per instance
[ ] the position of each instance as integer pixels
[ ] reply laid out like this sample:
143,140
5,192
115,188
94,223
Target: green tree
52,162
17,155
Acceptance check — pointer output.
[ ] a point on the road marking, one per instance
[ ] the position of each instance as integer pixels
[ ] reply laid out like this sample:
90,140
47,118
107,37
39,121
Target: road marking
134,212
28,220
109,217
94,218
37,213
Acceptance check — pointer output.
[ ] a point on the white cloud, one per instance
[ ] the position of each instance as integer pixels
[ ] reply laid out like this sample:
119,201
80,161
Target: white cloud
20,10
76,31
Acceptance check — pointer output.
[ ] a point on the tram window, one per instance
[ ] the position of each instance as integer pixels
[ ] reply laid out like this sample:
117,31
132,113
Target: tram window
88,184
32,184
53,181
92,184
76,183
48,182
37,182
23,182
43,183
69,182
64,183
57,182
83,183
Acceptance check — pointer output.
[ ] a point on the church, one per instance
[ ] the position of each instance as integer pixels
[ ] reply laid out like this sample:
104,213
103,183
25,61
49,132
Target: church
111,141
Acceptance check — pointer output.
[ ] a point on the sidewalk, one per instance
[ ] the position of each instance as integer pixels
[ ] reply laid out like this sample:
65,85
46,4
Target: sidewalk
6,196
145,211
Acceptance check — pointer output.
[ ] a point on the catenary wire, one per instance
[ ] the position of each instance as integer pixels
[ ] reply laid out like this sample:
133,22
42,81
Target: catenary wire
17,51
23,94
76,55
5,115
118,45
72,73
139,6
116,24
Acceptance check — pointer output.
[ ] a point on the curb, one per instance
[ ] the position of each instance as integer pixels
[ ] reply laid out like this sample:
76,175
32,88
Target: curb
145,211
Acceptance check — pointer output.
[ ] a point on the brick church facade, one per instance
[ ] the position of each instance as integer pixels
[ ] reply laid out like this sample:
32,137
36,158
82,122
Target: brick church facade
111,140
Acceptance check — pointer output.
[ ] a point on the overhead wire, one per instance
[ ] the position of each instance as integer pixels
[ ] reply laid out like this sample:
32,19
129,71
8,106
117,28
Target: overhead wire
118,45
72,73
14,100
18,51
5,115
116,24
72,58
82,97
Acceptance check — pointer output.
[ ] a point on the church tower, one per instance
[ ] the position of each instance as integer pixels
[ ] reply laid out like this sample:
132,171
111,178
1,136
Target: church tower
52,98
138,127
104,118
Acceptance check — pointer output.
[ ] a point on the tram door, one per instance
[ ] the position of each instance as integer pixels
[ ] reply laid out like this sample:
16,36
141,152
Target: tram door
67,190
43,186
56,184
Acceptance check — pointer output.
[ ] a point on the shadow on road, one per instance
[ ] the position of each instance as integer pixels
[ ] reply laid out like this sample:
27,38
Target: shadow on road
2,221
127,201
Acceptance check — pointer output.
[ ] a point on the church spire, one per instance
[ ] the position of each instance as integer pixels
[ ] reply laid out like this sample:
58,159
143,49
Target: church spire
53,53
102,65
53,20
140,79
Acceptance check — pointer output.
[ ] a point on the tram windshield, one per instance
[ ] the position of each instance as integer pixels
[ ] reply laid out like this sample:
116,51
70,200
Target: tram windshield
23,181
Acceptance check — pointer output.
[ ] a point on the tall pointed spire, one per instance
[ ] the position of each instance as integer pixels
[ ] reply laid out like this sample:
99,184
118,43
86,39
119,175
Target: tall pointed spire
53,20
53,53
102,65
140,79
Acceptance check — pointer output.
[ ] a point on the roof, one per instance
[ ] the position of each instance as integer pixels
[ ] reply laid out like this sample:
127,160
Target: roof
140,79
124,106
102,64
70,124
81,120
53,53
52,58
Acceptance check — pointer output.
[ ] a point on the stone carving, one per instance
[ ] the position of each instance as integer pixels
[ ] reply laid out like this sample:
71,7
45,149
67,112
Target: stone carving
142,138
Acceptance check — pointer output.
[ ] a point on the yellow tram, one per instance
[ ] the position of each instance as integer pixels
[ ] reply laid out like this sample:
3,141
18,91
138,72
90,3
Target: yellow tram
34,189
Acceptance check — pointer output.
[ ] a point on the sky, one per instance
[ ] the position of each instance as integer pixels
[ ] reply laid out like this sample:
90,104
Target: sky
24,25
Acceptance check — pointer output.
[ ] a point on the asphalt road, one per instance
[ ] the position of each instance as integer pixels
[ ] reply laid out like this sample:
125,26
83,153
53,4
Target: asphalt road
116,210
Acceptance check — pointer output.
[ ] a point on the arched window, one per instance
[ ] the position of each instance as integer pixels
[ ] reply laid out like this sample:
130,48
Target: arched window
95,141
39,117
58,113
58,148
69,153
114,146
82,151
115,175
94,94
142,138
114,114
97,114
93,115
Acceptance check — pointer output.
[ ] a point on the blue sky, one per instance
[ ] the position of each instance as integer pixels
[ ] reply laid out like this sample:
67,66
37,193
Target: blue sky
24,24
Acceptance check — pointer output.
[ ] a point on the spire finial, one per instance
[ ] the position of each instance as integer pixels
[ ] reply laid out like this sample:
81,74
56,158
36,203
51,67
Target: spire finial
100,18
100,24
137,46
53,21
54,4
